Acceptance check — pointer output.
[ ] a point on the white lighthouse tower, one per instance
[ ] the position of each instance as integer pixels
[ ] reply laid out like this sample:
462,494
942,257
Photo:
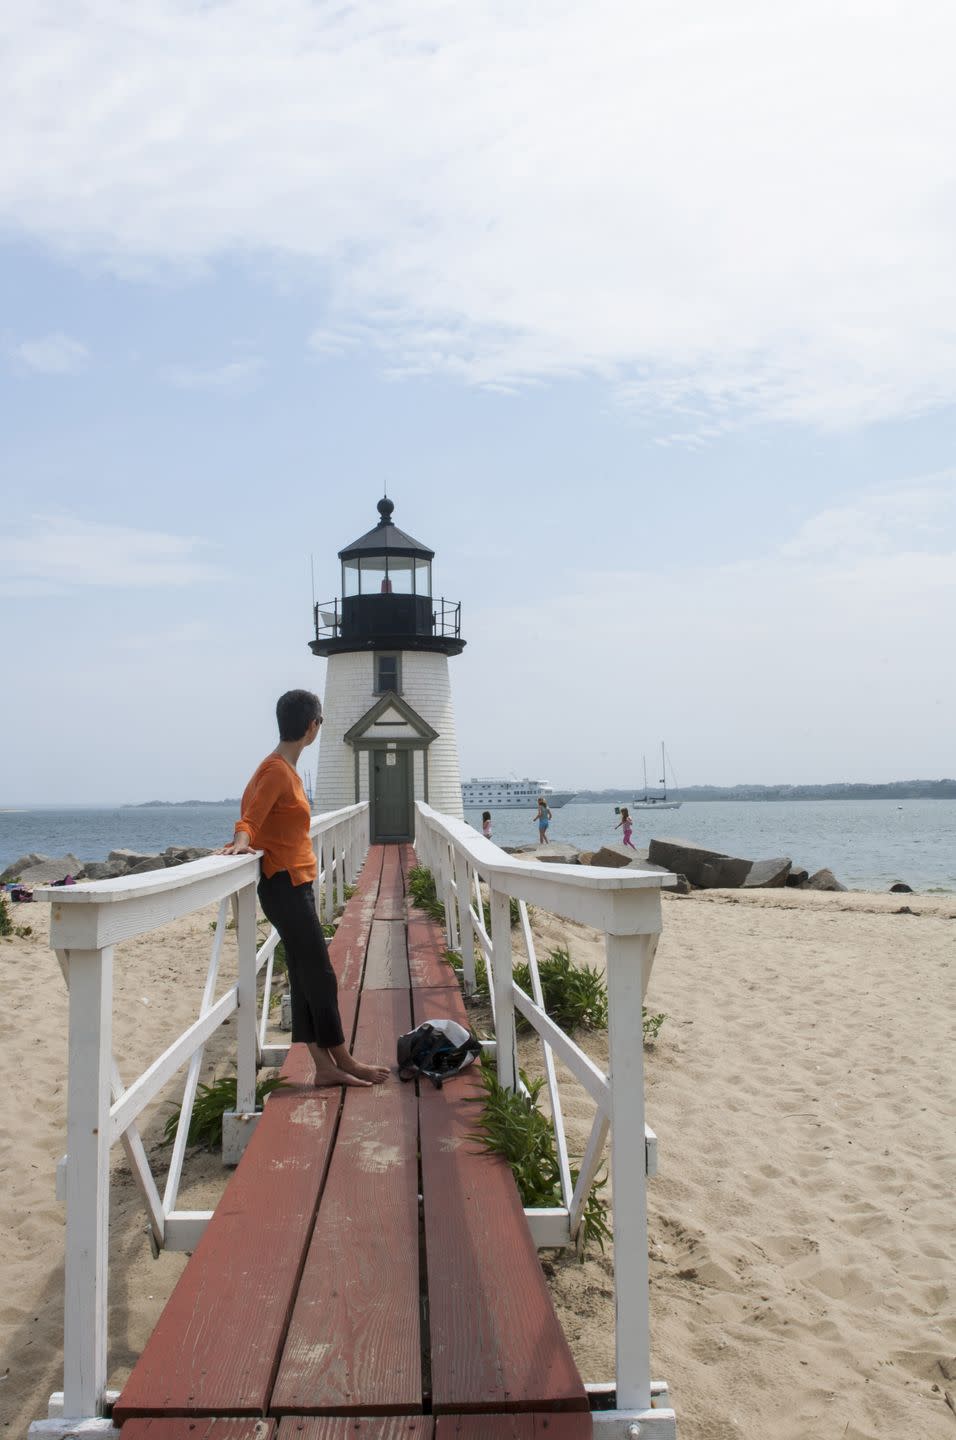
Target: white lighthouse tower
389,730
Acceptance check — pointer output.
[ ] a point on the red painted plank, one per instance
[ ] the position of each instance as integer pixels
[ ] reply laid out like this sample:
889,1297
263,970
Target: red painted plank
391,894
496,1343
354,1342
215,1349
348,945
427,966
386,964
576,1425
182,1428
340,1427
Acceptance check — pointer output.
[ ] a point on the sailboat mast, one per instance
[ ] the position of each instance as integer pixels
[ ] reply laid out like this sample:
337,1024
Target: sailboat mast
663,771
644,764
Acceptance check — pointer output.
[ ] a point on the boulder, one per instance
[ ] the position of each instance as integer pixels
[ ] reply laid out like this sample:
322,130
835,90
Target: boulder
100,870
901,888
128,858
147,863
622,857
613,857
823,880
183,854
46,871
767,875
797,877
556,854
712,870
26,862
708,869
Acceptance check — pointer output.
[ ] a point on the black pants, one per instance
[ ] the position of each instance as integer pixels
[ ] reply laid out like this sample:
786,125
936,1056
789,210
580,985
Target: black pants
314,988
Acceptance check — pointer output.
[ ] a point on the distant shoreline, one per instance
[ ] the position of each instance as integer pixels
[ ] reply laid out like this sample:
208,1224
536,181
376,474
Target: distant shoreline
173,804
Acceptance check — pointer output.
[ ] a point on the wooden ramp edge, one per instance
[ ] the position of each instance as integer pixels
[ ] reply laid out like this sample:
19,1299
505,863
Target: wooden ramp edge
496,1342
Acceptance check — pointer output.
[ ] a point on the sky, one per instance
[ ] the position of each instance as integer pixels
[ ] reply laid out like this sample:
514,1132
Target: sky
644,314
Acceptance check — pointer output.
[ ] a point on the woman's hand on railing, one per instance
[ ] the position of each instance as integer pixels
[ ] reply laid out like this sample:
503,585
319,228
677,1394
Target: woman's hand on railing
238,846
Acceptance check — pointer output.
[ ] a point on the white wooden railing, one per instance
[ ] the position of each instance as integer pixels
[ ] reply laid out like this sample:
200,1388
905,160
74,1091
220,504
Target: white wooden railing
87,922
626,905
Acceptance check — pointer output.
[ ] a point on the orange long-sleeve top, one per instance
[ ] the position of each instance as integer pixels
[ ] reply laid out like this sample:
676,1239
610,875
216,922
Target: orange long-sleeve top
276,816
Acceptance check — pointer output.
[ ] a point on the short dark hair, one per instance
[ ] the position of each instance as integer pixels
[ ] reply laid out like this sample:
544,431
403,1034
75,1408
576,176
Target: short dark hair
295,712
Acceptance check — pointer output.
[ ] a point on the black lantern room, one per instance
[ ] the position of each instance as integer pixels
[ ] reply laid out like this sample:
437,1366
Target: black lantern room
386,600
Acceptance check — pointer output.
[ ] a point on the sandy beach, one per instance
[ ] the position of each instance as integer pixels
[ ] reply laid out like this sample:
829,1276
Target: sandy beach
802,1089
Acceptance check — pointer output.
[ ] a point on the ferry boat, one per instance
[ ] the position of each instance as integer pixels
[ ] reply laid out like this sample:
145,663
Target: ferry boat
478,794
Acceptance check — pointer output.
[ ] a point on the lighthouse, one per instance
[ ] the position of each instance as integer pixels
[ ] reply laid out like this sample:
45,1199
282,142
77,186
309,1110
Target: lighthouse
388,734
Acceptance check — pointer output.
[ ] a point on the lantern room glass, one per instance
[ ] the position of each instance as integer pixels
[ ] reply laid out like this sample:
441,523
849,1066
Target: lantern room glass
423,577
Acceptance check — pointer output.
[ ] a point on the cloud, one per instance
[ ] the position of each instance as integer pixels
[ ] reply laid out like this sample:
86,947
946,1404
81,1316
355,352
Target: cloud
60,552
233,375
830,645
726,214
52,355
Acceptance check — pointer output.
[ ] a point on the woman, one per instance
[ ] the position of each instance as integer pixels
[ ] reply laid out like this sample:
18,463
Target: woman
275,819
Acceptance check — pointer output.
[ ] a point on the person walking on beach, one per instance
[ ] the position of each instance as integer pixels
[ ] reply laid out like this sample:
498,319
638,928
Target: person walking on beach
275,819
486,824
628,825
543,817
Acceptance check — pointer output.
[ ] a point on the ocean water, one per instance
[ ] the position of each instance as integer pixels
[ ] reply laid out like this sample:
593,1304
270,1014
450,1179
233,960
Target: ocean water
868,844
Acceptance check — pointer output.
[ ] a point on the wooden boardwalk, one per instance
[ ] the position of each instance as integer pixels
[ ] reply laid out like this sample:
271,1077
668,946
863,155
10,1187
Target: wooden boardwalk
368,1273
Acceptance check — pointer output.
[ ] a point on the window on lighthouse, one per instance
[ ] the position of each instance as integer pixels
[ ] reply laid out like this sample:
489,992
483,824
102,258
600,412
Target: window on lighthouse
386,674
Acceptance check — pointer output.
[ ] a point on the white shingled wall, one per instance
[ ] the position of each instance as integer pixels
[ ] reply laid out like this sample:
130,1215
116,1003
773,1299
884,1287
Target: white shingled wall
349,693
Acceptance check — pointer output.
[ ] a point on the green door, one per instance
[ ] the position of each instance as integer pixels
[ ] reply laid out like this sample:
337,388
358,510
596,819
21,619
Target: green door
391,817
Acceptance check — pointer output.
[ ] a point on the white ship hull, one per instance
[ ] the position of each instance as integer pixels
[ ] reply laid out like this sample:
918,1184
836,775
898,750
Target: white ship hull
511,795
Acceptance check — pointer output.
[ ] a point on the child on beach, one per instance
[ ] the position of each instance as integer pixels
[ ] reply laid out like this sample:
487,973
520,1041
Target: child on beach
543,816
628,824
486,824
275,819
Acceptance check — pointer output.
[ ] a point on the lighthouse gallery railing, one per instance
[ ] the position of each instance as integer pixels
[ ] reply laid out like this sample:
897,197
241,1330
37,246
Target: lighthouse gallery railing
87,922
626,905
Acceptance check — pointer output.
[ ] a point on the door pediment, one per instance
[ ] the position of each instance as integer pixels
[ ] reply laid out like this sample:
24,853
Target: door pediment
390,718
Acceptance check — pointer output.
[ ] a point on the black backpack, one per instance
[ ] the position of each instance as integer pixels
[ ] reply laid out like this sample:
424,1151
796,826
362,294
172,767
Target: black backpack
431,1051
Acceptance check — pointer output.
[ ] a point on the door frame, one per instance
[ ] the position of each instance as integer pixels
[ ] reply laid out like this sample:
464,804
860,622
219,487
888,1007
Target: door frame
408,748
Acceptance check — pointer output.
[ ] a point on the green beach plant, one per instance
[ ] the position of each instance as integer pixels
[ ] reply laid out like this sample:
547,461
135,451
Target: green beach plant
6,924
512,1125
212,1102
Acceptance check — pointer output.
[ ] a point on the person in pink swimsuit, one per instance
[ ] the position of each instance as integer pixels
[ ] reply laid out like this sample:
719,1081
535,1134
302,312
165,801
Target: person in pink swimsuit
628,825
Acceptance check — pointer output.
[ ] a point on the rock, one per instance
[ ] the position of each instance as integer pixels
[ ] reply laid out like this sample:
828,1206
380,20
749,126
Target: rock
100,870
797,877
556,854
26,862
708,869
711,869
622,857
183,854
901,888
823,880
147,863
767,875
129,858
46,871
612,857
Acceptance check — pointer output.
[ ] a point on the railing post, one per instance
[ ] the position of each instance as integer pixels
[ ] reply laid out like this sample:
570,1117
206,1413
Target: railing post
339,868
246,1014
504,994
451,915
629,960
87,1181
328,877
466,929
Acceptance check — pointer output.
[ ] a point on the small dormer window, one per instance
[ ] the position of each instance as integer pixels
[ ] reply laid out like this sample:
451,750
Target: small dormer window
387,674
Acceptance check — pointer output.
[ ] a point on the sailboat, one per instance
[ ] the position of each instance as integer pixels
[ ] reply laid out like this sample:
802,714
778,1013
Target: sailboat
651,802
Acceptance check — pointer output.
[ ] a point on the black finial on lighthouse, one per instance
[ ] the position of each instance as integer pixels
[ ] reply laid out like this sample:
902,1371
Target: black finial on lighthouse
385,508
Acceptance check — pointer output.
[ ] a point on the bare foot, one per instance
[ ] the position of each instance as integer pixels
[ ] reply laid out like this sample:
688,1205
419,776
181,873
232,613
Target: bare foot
331,1075
367,1074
